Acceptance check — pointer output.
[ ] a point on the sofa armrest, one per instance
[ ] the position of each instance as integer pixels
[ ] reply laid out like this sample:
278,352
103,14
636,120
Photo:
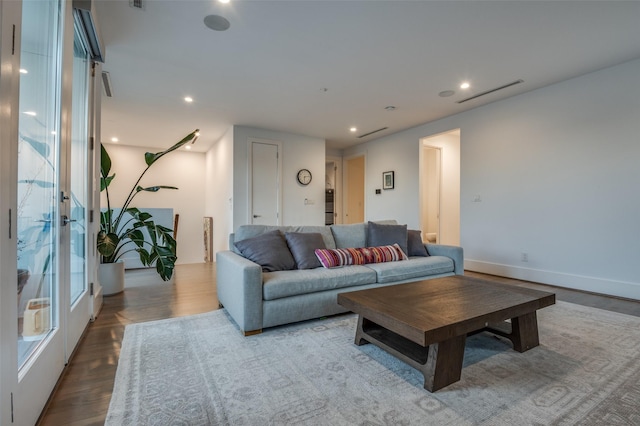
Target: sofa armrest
454,252
239,287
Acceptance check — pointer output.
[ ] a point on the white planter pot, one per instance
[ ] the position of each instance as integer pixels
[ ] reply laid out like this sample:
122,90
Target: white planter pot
111,276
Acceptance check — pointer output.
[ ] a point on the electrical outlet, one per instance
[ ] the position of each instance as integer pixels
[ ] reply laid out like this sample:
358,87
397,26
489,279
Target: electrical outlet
524,257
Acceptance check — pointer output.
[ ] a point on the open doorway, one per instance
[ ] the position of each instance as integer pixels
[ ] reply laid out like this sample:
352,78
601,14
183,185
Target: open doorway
430,200
333,191
440,188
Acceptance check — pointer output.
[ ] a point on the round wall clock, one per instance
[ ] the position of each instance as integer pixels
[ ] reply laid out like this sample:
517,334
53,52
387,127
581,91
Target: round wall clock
304,177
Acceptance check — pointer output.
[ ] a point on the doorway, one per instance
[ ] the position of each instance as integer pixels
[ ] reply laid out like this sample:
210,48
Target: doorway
354,189
440,188
333,191
430,200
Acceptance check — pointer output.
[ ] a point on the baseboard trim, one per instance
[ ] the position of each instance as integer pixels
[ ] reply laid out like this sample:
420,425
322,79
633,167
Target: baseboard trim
623,289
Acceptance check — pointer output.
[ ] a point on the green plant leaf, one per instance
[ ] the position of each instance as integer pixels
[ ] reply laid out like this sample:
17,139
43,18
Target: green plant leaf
105,182
154,188
107,243
151,158
105,162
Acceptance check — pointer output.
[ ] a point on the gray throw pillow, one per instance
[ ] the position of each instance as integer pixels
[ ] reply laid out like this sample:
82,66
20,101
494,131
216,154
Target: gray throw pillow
268,250
415,245
386,235
302,246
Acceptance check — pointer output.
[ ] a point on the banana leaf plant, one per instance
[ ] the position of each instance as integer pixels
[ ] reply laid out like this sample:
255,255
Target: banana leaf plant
121,230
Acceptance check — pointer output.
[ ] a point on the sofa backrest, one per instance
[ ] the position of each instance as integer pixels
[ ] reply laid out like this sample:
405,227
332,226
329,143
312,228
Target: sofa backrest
249,231
334,236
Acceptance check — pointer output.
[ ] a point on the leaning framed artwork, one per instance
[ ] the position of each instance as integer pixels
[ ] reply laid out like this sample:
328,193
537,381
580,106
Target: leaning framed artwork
387,180
208,239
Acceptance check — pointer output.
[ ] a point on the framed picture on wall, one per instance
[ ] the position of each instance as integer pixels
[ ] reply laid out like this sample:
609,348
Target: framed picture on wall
387,180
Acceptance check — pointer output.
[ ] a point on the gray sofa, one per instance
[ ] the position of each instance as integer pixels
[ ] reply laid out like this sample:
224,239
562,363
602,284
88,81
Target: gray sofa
257,299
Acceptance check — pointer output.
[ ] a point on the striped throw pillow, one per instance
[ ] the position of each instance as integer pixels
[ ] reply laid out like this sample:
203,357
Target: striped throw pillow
335,258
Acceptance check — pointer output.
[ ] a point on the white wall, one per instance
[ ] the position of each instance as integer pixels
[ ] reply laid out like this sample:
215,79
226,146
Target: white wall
183,169
401,155
556,170
219,190
298,152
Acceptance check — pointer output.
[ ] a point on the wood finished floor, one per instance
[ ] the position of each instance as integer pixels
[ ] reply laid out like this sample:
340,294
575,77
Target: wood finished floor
84,391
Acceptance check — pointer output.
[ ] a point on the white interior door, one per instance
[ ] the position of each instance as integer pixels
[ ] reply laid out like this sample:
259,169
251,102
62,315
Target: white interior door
265,183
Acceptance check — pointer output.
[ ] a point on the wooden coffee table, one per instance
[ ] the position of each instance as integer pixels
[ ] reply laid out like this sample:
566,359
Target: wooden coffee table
426,323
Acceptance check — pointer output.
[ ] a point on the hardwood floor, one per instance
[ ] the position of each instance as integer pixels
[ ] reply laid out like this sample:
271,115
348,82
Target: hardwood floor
84,391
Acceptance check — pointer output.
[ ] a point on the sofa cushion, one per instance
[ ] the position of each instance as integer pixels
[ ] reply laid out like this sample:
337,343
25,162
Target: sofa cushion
415,246
325,231
353,235
335,258
302,246
302,281
382,234
268,250
415,267
244,232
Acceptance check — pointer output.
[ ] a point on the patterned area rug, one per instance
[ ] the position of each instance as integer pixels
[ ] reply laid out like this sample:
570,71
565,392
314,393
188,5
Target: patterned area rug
200,370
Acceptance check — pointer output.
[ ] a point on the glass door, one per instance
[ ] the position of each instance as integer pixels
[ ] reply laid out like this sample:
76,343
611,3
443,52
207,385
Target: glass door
78,302
38,179
40,337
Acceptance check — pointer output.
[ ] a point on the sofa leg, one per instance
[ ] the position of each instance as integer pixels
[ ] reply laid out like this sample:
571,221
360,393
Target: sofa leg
220,305
252,332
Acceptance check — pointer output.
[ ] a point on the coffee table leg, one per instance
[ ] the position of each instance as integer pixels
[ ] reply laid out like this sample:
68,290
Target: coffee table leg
360,334
524,332
444,363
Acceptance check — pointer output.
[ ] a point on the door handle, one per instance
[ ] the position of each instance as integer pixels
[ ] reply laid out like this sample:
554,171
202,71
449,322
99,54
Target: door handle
64,220
256,215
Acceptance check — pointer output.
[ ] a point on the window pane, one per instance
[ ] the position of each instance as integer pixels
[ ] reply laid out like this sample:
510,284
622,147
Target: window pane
78,199
38,152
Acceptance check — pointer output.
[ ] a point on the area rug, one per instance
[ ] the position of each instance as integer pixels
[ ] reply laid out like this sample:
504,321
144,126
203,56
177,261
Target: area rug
200,370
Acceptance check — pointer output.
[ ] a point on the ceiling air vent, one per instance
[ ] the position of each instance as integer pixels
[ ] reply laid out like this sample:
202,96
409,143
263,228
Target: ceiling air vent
136,3
106,82
513,83
370,133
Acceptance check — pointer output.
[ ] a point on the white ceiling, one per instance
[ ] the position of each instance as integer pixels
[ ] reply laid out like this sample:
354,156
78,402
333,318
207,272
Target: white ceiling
319,67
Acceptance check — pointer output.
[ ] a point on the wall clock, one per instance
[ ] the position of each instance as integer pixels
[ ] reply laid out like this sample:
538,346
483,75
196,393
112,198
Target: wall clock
304,177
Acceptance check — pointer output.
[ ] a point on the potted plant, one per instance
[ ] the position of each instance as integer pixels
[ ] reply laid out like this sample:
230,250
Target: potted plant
122,231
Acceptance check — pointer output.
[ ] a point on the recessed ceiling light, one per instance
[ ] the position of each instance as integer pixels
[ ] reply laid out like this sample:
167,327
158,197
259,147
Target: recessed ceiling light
217,22
353,129
446,93
224,1
115,139
465,85
23,71
188,99
187,147
31,113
